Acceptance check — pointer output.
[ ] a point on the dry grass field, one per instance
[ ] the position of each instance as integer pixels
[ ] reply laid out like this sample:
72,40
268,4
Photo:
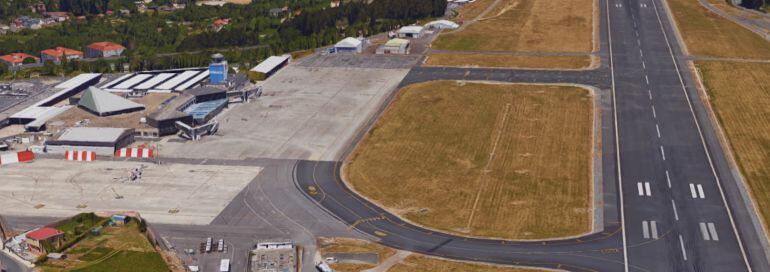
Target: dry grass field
346,245
418,263
508,161
502,61
528,26
708,34
472,10
743,109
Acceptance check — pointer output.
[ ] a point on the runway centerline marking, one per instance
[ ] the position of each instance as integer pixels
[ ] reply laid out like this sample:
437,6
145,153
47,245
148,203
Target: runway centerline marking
646,79
676,215
654,113
681,243
668,180
657,129
662,153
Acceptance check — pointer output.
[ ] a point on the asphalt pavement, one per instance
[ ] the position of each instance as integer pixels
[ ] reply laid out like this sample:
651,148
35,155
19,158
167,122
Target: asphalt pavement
680,206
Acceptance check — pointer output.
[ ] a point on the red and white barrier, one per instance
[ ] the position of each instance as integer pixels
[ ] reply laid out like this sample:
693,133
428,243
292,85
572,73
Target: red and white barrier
80,155
10,158
134,153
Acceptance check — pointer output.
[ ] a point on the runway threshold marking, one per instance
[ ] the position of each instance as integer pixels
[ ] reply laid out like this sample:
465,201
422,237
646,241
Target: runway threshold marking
708,231
644,188
649,229
697,193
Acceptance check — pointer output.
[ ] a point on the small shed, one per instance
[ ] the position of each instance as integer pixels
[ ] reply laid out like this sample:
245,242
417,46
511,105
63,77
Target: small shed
349,45
411,32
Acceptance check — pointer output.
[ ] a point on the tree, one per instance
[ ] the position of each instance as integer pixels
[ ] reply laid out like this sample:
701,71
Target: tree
29,60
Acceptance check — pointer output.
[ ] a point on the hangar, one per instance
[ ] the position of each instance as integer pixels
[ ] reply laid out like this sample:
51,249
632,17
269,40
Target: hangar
271,65
102,141
349,45
410,32
395,46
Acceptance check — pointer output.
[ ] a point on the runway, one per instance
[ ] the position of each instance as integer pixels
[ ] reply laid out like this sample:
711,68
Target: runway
679,208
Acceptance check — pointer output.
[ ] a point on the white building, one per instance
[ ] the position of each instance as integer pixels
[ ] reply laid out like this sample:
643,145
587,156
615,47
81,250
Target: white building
395,46
271,65
349,45
103,141
442,24
410,32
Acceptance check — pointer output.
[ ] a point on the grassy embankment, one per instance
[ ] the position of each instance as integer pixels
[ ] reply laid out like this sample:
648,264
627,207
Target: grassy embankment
346,245
418,263
428,159
739,92
521,26
119,249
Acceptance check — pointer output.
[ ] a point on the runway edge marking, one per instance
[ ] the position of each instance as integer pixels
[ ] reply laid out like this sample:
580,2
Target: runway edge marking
617,138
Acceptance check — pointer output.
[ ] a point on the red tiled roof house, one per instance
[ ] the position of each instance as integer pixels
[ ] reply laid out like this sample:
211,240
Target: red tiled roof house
104,50
57,54
16,59
46,235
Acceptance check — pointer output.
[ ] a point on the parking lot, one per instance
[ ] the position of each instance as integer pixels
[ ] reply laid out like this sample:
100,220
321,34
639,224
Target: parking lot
169,193
305,113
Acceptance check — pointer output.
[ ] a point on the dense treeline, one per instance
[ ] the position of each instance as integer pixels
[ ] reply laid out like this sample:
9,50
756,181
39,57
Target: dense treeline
155,40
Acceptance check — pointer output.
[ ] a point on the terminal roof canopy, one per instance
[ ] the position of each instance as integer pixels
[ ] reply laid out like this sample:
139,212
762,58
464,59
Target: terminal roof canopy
104,103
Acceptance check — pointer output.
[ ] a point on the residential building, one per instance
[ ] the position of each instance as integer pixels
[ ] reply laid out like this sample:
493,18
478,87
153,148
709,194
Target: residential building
218,24
17,59
37,239
104,50
56,55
